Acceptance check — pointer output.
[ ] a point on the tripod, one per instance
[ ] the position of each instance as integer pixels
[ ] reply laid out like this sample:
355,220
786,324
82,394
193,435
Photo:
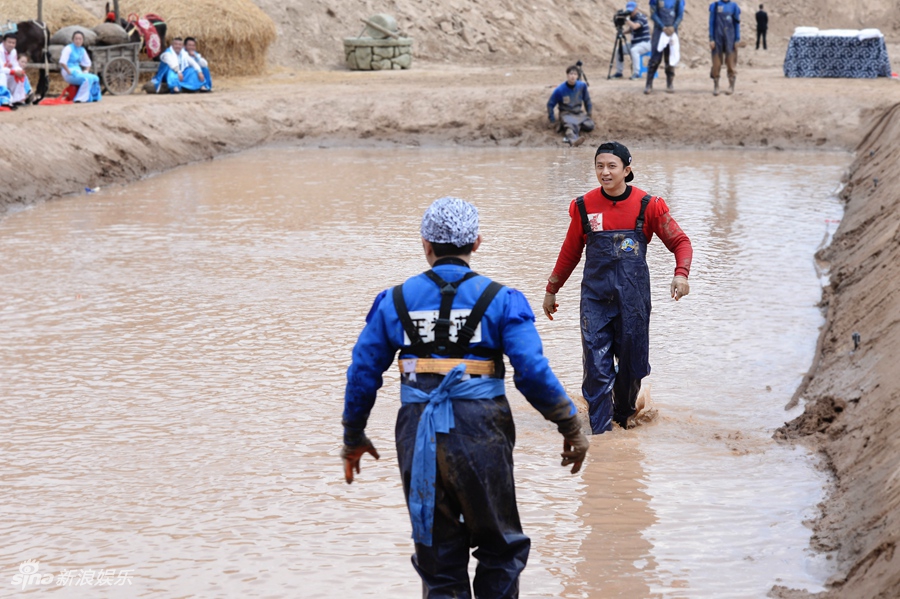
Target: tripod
618,46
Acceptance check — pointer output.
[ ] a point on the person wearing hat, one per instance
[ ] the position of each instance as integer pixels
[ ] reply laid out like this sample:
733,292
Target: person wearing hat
640,41
666,16
454,431
724,37
615,222
569,96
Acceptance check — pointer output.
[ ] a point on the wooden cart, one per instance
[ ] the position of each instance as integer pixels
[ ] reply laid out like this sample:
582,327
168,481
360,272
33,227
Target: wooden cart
120,66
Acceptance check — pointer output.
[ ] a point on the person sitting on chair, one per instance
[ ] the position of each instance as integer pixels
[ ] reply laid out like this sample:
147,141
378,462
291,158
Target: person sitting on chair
178,70
75,65
640,41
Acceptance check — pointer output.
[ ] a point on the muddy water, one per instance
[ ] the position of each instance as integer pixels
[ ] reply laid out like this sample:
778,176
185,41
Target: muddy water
173,352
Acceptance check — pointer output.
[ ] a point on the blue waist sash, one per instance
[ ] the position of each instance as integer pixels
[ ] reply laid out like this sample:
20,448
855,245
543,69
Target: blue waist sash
437,418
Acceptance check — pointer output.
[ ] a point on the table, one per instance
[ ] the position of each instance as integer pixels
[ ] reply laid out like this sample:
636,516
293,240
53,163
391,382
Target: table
836,56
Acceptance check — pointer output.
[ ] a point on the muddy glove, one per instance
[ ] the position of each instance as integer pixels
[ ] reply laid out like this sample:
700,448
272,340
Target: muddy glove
352,455
550,305
575,445
679,287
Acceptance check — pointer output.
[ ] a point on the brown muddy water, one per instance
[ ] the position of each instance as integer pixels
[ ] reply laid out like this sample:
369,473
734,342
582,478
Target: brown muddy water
173,357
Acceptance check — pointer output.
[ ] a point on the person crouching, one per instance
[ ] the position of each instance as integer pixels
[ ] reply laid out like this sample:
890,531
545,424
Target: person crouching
570,95
190,46
178,71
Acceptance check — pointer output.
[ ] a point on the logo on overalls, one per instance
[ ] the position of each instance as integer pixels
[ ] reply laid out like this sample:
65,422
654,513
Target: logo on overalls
628,245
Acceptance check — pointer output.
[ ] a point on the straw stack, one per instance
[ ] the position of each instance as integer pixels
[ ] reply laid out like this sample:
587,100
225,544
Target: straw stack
233,35
57,13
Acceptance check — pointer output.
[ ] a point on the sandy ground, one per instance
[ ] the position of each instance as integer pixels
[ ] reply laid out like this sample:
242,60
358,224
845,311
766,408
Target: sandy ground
55,150
852,398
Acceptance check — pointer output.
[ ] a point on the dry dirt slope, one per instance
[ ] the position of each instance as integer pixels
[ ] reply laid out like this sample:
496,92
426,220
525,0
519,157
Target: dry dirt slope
529,32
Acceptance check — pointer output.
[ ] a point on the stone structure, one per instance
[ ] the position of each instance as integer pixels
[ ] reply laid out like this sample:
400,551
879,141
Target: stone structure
379,46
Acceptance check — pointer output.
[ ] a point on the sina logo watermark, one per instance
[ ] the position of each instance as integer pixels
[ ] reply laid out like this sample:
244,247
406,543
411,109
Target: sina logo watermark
30,574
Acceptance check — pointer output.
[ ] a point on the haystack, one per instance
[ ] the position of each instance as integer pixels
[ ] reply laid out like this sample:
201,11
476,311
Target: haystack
233,35
57,13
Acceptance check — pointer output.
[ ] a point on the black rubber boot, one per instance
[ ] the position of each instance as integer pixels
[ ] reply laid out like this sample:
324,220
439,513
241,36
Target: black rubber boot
730,89
715,87
670,78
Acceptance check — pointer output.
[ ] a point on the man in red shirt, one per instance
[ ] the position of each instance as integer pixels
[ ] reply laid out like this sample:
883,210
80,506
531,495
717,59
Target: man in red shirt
616,222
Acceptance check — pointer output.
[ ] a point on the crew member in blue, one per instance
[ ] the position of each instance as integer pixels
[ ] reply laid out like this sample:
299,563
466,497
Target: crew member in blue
570,95
639,28
724,36
666,16
454,432
612,225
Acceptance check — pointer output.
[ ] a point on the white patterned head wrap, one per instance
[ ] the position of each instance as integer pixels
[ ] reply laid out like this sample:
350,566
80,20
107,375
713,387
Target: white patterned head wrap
450,220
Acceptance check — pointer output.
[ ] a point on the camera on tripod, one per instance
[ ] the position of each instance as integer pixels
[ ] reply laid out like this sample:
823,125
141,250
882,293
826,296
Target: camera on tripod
620,18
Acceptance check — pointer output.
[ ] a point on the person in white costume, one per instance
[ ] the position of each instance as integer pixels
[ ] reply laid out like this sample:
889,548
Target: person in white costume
179,71
13,77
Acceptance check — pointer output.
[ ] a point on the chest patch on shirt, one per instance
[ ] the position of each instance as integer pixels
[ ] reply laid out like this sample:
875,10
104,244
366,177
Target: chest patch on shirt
424,321
596,221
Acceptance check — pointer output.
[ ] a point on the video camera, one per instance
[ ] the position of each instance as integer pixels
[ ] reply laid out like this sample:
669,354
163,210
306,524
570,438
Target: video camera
620,18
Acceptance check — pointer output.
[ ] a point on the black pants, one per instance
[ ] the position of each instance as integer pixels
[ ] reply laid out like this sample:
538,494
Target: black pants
761,34
475,502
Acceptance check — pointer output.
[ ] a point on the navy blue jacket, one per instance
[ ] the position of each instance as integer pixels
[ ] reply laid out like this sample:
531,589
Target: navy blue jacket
724,24
569,99
667,13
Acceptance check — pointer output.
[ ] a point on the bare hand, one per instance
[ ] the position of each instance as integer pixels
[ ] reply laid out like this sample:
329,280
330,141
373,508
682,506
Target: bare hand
679,287
550,306
202,78
668,30
353,455
181,76
712,46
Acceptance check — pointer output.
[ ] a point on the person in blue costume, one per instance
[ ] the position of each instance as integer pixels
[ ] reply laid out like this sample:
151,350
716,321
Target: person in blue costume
724,37
179,71
454,430
75,65
190,46
666,16
570,95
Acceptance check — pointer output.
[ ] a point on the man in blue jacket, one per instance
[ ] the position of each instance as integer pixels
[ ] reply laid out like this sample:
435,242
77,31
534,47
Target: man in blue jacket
666,16
454,432
724,35
570,95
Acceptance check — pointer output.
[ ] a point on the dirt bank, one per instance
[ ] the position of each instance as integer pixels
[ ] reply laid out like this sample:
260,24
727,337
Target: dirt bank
853,396
51,151
536,32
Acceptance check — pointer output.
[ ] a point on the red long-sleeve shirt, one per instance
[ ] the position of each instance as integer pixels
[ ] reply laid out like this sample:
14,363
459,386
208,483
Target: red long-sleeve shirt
621,214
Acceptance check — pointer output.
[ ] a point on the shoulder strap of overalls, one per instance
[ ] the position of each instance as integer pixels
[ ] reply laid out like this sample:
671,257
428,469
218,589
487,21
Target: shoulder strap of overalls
448,292
465,333
585,224
403,314
639,226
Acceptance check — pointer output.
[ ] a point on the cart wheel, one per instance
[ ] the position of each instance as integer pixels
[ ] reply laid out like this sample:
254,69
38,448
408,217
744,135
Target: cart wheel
120,76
